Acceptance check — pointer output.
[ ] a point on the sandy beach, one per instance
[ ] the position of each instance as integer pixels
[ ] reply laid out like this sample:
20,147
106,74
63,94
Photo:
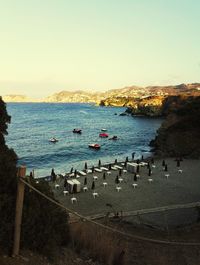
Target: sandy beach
177,188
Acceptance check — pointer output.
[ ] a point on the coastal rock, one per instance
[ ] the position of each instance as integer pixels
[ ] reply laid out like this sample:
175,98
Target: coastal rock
179,133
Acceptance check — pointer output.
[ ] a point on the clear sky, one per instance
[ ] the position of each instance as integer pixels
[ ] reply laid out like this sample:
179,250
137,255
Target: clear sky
52,45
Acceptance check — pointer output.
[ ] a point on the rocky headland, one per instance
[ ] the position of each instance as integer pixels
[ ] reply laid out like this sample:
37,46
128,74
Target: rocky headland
179,133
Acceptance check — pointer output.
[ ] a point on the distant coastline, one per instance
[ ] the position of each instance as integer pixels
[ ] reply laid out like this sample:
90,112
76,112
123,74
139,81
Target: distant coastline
110,97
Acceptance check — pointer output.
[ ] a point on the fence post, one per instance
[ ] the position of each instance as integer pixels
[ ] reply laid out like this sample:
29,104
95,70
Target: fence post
18,212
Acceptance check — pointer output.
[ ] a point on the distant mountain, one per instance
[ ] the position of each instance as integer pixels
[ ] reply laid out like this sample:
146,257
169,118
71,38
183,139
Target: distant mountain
76,96
16,98
114,96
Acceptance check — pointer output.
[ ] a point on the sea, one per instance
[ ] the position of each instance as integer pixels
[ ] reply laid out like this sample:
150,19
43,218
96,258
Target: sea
33,124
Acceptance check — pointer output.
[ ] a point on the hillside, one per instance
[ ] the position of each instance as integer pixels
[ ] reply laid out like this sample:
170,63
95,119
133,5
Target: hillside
179,133
113,97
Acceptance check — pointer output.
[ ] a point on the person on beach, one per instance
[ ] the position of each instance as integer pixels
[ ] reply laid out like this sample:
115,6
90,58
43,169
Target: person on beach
138,169
72,169
135,177
166,169
133,155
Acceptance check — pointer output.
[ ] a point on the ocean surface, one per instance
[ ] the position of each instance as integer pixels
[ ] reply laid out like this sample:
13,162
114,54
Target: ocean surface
33,124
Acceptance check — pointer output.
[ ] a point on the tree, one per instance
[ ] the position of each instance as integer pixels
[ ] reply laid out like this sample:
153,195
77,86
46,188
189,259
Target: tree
44,225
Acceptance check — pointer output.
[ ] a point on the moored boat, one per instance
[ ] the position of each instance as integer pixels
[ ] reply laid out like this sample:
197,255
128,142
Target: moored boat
103,130
53,140
77,131
103,135
113,138
94,146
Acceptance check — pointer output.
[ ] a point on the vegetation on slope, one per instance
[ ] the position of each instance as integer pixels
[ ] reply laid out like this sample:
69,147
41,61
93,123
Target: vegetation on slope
44,226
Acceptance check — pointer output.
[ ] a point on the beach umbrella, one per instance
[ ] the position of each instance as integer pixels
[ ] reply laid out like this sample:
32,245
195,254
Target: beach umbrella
117,179
135,177
133,155
163,163
86,167
120,172
166,167
92,169
85,181
127,159
178,163
99,163
104,175
65,183
53,175
74,188
115,161
72,169
138,169
149,174
93,185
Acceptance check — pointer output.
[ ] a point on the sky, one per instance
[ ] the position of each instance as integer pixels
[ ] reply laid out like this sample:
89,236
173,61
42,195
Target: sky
52,45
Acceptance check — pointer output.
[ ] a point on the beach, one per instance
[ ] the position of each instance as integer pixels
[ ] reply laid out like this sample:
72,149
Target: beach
180,187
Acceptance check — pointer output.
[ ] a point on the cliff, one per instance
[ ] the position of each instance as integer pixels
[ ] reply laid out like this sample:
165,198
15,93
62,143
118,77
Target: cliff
179,133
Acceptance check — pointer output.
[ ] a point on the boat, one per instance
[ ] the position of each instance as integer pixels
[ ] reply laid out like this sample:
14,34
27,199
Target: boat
103,130
103,135
94,146
113,138
77,131
53,140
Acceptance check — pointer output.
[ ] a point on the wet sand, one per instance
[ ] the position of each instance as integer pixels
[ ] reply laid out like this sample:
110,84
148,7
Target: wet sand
178,188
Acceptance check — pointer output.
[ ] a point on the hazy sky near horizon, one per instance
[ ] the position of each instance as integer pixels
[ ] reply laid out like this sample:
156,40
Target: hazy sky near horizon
52,45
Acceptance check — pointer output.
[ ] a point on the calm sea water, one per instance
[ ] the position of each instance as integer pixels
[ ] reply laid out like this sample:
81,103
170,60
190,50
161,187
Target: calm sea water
33,124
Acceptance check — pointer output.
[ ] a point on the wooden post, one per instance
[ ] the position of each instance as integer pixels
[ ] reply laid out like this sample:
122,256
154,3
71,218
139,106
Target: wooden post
18,212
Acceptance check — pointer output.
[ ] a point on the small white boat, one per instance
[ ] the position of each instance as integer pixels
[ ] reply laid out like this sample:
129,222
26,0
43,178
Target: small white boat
103,130
94,146
53,140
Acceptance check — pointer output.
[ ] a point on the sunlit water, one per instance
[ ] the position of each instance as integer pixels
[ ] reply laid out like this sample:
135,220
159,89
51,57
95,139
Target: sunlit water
33,124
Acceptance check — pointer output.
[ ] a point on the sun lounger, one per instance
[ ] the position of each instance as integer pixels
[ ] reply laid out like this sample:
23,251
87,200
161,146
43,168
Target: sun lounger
98,170
104,168
82,173
118,167
89,171
114,168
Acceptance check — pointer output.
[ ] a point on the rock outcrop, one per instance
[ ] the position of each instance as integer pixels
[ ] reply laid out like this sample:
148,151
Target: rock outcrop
179,135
